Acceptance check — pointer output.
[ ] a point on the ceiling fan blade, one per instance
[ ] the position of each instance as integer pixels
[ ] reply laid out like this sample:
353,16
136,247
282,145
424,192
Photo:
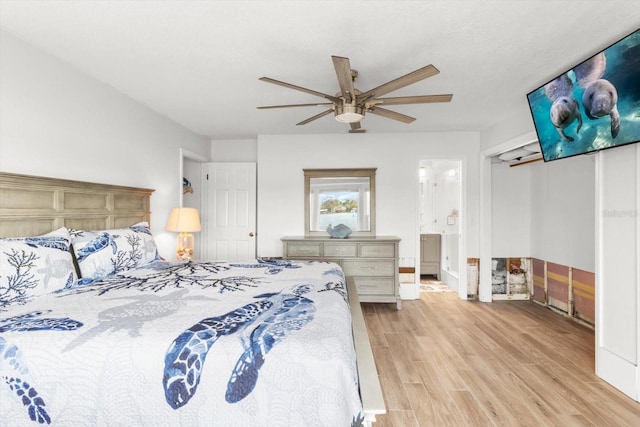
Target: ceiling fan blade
317,116
327,104
391,115
400,82
422,99
345,79
302,89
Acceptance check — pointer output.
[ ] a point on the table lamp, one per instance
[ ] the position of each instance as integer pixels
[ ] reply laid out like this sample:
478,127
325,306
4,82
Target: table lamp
184,221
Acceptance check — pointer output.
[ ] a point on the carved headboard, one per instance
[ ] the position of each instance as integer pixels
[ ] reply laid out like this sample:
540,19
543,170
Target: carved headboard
31,205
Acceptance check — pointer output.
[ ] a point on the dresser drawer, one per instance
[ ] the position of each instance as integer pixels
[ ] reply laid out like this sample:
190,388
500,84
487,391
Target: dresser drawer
377,250
369,263
341,250
310,249
375,285
359,267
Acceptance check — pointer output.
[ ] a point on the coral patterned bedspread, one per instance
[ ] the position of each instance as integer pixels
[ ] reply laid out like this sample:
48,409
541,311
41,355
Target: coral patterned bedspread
256,343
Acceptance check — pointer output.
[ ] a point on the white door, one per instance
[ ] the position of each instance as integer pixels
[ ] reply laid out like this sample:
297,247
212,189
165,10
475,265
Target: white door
231,211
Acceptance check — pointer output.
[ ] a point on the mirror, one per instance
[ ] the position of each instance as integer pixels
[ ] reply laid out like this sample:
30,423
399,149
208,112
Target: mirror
340,196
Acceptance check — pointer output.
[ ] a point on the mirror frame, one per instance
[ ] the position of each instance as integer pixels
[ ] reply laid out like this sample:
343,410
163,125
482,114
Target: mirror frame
340,173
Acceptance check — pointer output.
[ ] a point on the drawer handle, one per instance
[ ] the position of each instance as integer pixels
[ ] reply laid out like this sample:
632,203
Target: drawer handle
367,286
368,268
304,250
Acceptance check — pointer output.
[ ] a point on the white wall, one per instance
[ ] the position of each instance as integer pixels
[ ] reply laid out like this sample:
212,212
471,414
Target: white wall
517,123
56,121
546,211
281,159
234,150
511,202
563,211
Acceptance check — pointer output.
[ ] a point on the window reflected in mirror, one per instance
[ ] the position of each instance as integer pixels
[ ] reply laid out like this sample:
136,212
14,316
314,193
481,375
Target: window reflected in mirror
340,196
339,200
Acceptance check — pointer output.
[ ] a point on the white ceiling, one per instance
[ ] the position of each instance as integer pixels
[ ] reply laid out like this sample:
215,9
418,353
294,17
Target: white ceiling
198,62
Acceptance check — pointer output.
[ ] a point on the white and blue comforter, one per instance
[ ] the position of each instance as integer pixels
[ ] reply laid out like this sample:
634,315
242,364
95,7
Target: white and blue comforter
261,343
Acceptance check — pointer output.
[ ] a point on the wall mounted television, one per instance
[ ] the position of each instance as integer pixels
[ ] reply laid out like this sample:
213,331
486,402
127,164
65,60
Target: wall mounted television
593,106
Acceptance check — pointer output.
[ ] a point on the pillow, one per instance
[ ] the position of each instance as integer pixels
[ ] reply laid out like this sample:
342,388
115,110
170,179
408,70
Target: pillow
32,266
105,252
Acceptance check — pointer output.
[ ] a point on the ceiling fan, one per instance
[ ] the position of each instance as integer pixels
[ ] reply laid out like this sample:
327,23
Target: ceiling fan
350,104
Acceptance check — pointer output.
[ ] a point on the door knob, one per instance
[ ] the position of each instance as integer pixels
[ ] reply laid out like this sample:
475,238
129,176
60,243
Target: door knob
251,234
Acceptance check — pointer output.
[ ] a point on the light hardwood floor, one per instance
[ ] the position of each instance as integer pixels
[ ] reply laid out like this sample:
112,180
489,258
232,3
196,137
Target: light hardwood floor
447,362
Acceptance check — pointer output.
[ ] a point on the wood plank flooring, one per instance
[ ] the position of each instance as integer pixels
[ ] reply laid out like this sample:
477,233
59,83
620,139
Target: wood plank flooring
447,362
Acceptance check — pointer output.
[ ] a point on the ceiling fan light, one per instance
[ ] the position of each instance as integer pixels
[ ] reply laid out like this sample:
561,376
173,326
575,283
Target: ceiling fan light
349,113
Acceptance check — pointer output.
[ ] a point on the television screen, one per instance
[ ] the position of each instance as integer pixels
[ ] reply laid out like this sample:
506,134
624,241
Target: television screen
593,106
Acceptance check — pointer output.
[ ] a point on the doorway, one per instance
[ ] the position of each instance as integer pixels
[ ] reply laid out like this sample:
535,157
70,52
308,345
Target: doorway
192,188
440,218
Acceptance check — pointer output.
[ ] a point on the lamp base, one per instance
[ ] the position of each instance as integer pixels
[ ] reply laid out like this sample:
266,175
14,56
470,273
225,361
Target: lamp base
184,247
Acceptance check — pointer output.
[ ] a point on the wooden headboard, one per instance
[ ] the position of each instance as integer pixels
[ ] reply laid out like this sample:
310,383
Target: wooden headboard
32,205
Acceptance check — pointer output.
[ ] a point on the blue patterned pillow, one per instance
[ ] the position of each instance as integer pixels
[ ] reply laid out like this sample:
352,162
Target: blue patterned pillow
105,252
32,266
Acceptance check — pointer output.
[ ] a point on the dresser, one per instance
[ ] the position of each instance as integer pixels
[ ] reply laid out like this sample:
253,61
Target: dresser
370,261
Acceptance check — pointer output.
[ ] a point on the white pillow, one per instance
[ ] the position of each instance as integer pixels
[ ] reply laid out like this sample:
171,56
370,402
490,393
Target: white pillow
105,252
32,266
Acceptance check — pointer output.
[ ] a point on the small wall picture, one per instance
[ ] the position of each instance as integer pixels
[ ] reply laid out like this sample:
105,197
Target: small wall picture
187,188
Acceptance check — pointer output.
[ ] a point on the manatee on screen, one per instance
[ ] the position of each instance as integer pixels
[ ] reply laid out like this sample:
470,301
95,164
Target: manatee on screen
563,112
565,109
600,99
590,70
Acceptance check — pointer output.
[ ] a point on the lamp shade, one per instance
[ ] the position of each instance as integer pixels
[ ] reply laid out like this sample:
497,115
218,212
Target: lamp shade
184,220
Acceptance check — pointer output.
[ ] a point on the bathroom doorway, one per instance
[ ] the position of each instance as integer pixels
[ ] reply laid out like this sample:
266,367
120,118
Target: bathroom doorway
440,213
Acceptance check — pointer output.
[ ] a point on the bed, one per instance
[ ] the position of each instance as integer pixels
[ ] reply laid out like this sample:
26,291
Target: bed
97,329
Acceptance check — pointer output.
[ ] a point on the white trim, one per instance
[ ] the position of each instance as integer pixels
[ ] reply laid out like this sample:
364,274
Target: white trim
518,141
463,284
180,177
204,208
484,273
598,314
192,156
618,372
637,394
